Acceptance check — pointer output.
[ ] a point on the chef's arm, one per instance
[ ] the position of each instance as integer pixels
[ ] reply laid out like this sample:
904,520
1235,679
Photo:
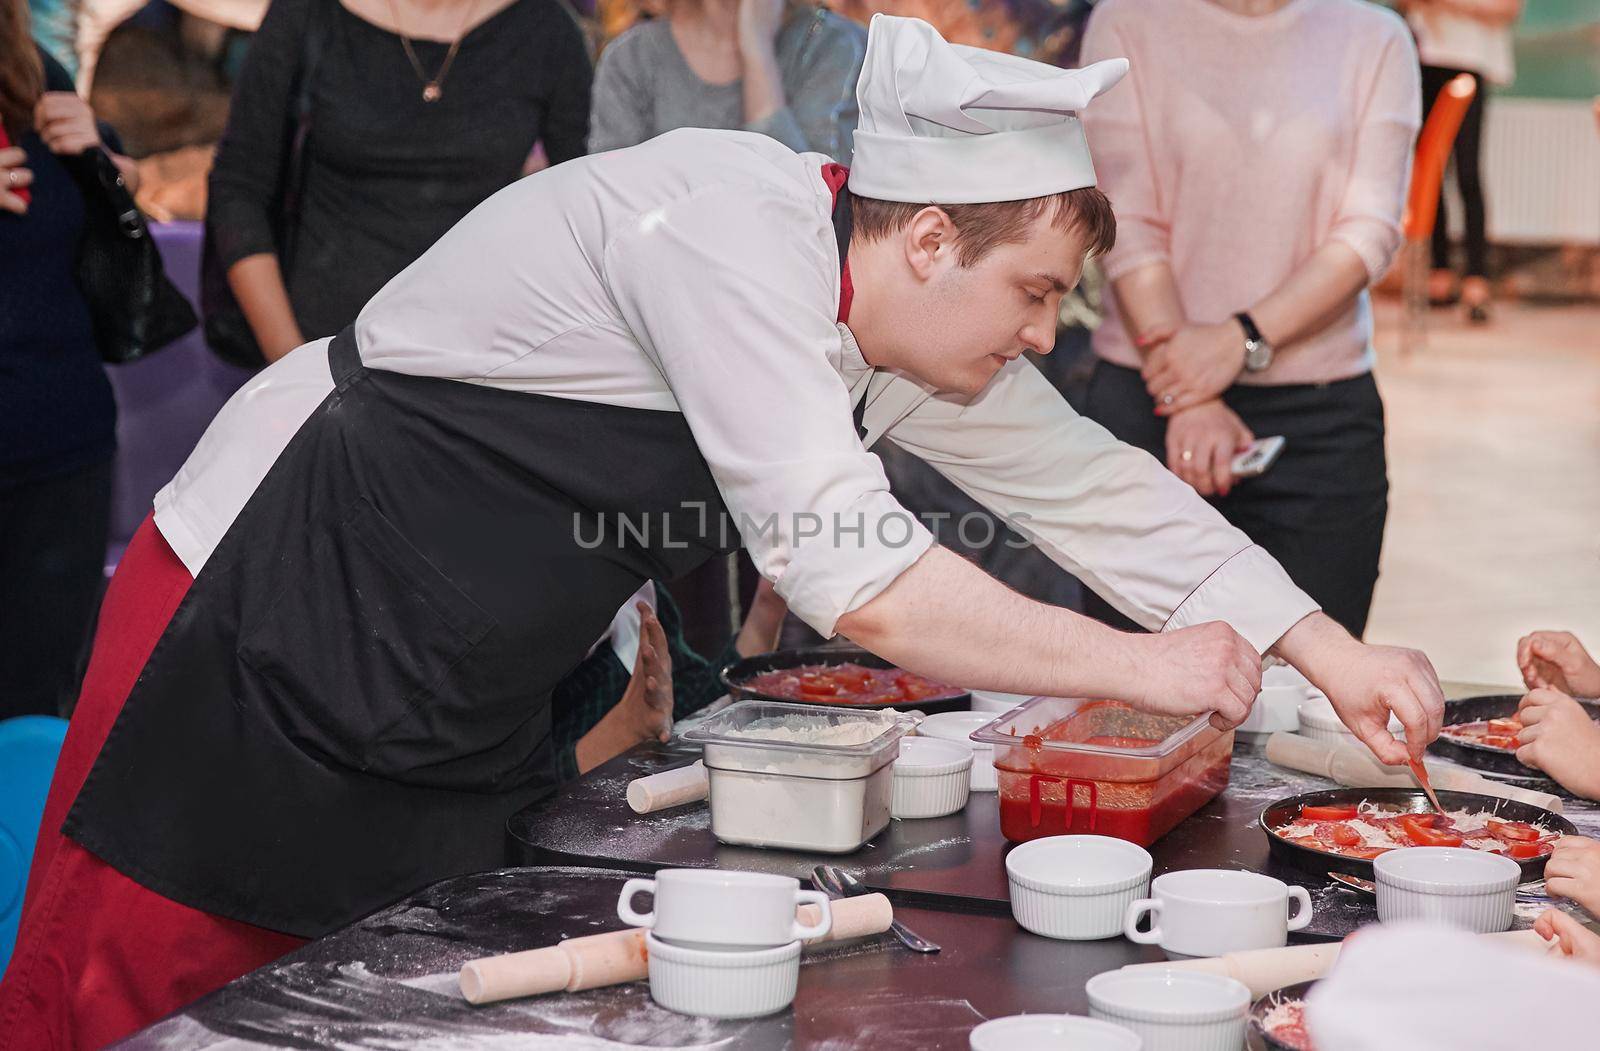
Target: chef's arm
1112,516
945,618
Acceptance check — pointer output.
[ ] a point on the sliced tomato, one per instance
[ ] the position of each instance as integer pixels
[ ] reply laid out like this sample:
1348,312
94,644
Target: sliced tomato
1338,834
1513,831
1327,813
1424,835
1367,852
1508,743
1528,850
1504,727
1418,820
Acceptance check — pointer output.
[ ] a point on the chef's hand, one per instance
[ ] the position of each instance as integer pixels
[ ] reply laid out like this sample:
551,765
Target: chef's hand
1557,659
14,175
1573,872
1559,738
645,711
1194,364
1573,939
1204,668
65,123
1201,444
759,633
1367,683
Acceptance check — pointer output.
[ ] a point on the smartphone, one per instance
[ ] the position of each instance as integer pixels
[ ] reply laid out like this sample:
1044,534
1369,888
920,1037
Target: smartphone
1260,455
20,191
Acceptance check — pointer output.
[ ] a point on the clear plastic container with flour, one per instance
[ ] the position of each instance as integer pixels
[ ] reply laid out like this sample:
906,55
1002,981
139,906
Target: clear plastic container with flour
800,776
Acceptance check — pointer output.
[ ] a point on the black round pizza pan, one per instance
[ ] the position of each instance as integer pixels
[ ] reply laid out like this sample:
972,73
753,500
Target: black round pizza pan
1257,1038
739,672
1482,757
1409,800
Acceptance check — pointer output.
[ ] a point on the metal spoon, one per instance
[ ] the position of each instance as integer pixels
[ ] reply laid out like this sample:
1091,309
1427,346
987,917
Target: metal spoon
837,883
1532,893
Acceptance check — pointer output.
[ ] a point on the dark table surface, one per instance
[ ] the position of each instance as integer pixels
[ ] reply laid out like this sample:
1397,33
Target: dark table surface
390,982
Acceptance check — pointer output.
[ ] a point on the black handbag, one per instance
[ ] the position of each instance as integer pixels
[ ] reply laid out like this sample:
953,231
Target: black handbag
135,307
227,331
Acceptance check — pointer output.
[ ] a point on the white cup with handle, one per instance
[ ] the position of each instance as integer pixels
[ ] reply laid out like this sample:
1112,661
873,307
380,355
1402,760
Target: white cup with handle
723,909
1208,912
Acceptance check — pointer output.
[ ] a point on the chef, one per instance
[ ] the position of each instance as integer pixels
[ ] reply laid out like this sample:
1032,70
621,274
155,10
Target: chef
322,673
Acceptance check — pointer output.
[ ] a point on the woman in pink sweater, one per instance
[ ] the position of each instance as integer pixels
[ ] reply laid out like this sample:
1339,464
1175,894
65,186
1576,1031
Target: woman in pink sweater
1257,158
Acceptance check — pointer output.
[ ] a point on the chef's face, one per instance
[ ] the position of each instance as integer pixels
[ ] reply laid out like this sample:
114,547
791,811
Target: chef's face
955,326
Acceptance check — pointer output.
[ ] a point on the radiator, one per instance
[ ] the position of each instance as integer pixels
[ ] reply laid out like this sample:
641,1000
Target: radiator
1541,172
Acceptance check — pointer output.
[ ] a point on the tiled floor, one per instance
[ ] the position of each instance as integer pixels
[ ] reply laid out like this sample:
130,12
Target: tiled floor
1494,462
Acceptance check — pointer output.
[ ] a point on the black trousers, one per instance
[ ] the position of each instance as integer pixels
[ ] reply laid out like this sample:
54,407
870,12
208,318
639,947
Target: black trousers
1319,510
1467,154
52,572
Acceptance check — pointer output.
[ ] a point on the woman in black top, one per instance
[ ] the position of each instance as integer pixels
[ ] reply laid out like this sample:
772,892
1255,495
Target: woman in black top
419,112
57,417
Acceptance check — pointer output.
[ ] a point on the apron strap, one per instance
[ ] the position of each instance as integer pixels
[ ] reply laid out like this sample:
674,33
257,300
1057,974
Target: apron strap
344,357
837,176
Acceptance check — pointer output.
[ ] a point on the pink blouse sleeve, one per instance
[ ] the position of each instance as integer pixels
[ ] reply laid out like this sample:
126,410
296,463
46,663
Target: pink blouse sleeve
1380,171
1120,144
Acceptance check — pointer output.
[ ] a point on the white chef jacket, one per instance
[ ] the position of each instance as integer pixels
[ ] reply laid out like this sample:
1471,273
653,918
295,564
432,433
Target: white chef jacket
698,273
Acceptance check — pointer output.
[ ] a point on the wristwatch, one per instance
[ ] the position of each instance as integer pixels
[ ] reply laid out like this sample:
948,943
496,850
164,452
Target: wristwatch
1257,351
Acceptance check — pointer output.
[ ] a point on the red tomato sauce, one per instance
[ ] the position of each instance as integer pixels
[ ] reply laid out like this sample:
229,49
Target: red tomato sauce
848,684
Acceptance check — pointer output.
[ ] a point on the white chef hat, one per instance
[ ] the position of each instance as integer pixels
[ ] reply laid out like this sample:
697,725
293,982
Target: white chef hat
948,124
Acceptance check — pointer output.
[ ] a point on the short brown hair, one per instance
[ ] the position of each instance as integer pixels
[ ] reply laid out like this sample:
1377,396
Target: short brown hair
981,228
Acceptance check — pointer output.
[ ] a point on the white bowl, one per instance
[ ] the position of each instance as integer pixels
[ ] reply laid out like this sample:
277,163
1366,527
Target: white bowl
1319,722
1277,706
932,778
960,726
1052,1033
1173,1010
710,984
1453,886
1076,887
999,703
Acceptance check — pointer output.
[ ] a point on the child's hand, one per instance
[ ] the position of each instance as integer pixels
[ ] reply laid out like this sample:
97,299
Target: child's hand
1559,738
1556,659
1573,872
1575,941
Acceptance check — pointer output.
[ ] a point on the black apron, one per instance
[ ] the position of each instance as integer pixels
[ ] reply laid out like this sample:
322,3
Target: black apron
353,697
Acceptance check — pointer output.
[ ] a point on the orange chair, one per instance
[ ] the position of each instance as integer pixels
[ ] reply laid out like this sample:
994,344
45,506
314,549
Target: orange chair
1422,202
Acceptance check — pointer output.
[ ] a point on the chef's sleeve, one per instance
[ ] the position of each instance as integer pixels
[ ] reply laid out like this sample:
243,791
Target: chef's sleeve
1108,513
732,295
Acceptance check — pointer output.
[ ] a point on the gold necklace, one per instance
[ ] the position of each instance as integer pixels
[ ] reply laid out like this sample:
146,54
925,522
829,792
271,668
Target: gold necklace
432,88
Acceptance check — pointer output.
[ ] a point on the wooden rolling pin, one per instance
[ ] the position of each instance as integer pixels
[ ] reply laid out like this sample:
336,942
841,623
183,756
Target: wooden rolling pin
670,788
1353,765
619,956
1264,970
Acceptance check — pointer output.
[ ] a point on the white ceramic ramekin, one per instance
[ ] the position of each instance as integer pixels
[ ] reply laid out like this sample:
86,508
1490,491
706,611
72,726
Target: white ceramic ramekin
1076,887
999,703
1173,1010
959,726
711,984
1052,1033
932,777
1454,886
1320,722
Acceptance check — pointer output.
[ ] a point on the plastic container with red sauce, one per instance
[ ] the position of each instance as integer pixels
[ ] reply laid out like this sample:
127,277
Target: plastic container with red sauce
1077,766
